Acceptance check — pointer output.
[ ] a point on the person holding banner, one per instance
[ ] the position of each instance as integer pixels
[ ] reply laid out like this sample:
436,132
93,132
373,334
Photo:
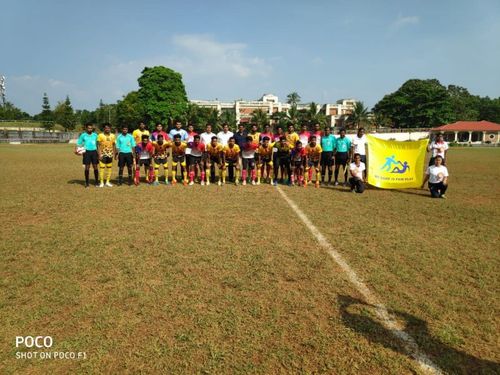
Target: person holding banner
342,155
358,179
437,175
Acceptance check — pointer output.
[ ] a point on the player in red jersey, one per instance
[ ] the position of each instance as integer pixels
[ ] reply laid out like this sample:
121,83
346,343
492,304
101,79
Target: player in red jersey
248,159
144,153
196,159
298,158
304,134
266,133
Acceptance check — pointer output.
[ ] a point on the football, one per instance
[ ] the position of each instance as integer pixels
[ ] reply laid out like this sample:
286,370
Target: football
80,150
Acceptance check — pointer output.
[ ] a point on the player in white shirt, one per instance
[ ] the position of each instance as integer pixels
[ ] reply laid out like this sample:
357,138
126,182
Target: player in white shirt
206,136
437,175
224,135
357,180
359,144
438,147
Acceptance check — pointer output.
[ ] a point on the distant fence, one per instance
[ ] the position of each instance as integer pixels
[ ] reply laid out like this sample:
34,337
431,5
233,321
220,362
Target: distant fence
35,136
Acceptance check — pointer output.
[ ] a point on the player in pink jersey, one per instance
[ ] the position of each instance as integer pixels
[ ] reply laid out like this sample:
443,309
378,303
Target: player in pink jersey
248,159
266,133
196,159
304,134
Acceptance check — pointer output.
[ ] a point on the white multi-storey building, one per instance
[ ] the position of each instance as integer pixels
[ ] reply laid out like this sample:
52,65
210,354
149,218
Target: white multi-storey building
270,104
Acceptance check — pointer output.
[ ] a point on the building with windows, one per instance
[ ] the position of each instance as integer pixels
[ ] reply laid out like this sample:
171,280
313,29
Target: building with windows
474,132
270,104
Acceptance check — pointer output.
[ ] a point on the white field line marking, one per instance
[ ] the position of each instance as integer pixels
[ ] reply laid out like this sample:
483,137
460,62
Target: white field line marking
388,321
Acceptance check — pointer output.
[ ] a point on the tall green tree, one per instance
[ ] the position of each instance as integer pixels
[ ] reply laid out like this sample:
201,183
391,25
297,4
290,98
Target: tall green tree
489,109
162,94
10,112
259,118
229,117
465,106
293,98
129,110
46,116
417,103
64,115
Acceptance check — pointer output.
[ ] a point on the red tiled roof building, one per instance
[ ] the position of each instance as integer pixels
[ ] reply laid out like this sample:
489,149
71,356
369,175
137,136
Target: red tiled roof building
470,132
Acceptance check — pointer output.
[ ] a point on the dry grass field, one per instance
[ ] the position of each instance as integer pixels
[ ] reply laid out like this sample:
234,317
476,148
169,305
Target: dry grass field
228,280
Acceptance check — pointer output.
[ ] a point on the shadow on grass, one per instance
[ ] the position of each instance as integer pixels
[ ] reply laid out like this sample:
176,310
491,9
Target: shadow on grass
77,182
356,315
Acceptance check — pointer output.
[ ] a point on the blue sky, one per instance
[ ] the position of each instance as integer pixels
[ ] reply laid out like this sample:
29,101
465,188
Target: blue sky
324,50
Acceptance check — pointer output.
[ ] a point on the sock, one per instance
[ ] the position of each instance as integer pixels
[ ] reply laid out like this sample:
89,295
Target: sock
329,176
96,175
244,175
252,173
259,173
207,174
184,175
292,178
310,174
203,175
156,173
236,175
108,175
102,166
317,177
191,176
301,179
87,176
223,175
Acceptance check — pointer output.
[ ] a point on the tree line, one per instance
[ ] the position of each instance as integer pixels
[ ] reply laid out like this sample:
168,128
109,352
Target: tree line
161,98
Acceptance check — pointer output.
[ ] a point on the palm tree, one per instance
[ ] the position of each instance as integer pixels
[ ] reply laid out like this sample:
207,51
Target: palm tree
280,119
260,118
313,116
293,98
293,114
359,115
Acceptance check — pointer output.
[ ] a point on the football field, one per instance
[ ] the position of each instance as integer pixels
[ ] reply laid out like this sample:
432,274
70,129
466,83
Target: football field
247,279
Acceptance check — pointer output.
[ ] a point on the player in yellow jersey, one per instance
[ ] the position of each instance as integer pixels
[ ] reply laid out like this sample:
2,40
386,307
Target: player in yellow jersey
160,157
214,157
179,156
313,154
254,133
291,136
265,160
139,132
282,151
106,148
231,160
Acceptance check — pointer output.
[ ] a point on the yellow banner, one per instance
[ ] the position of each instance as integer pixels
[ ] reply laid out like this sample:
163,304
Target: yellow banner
395,164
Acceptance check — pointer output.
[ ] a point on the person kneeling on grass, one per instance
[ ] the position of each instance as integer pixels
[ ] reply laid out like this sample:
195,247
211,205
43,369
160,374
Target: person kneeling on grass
358,179
437,175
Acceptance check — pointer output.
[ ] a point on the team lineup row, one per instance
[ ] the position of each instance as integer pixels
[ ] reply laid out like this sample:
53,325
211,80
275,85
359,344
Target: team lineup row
289,157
